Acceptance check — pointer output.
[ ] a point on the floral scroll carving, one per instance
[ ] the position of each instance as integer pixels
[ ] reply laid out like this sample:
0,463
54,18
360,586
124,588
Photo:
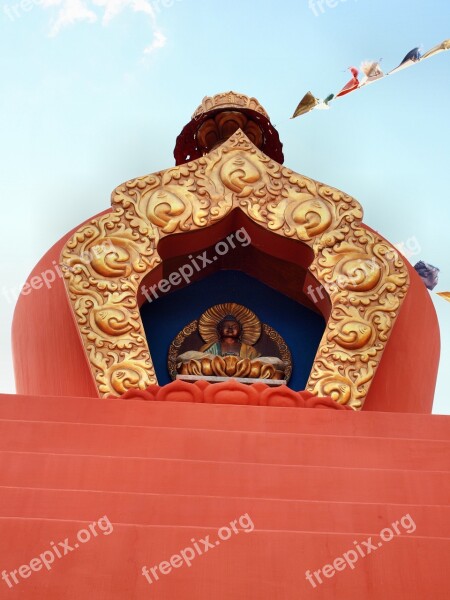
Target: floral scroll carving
105,261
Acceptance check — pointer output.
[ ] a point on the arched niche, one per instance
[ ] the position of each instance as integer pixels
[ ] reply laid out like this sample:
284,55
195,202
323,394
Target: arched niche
281,263
230,261
106,261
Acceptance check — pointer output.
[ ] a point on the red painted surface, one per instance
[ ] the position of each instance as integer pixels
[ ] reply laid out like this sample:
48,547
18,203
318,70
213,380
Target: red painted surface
309,483
406,378
232,392
187,148
47,348
49,359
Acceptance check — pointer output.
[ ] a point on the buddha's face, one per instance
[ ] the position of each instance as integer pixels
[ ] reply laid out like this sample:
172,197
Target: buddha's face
229,329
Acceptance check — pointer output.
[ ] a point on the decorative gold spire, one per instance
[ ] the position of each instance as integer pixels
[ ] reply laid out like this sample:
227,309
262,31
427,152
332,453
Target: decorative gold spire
229,100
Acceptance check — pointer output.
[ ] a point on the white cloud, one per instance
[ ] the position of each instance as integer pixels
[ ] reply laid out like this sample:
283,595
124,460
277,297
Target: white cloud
159,41
70,12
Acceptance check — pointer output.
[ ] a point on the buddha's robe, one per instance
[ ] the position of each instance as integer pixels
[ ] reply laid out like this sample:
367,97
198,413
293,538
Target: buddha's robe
246,351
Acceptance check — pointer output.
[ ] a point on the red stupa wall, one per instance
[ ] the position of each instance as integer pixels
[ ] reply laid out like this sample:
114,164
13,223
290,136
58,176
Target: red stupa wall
310,484
49,358
317,501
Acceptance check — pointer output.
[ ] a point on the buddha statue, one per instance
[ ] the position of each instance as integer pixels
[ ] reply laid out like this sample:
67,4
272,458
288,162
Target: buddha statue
230,332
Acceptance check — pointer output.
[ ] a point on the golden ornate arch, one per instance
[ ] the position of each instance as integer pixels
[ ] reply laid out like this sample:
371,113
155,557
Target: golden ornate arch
106,260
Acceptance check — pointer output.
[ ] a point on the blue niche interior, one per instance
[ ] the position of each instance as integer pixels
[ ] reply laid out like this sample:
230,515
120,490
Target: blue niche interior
165,317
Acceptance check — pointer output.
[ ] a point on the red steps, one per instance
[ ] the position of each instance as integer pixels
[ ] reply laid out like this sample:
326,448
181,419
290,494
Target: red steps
210,511
175,476
249,566
313,481
307,449
229,417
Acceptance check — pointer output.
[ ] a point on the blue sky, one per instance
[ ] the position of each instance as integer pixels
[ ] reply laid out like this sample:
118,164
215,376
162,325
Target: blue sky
95,93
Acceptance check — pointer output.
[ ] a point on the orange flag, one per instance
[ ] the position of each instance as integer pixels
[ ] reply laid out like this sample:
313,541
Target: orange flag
445,295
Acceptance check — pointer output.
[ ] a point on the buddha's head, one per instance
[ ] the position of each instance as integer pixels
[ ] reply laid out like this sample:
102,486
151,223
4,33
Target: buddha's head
229,327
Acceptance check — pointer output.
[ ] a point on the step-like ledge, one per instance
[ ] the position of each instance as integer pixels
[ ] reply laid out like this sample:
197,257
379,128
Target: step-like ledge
233,392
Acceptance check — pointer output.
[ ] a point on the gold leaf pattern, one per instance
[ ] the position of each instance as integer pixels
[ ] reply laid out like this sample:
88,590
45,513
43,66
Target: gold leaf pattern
105,261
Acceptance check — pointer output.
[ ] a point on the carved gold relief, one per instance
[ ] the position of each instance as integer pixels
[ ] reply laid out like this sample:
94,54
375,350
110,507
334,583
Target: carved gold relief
218,128
301,215
229,100
106,259
231,366
172,208
239,175
103,264
126,375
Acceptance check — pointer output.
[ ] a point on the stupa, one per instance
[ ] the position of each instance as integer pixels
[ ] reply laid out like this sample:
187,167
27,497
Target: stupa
224,387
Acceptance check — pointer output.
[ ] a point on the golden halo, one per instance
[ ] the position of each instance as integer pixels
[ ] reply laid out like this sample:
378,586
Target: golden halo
250,324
